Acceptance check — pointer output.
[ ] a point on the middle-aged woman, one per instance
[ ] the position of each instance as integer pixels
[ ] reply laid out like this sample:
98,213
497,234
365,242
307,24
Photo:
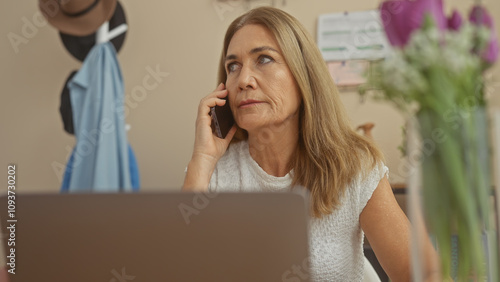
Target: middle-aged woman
292,130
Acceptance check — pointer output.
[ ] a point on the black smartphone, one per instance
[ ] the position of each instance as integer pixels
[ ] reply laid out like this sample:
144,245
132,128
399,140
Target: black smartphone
222,120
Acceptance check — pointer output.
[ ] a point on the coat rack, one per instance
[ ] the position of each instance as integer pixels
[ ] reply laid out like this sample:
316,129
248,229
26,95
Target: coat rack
103,34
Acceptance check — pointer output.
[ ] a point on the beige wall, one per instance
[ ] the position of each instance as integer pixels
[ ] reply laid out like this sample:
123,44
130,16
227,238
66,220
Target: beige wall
182,38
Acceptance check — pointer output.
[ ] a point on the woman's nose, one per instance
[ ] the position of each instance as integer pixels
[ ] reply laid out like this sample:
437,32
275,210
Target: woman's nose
246,79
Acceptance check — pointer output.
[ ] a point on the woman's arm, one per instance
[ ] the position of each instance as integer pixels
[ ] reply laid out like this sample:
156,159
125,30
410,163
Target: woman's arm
388,231
198,174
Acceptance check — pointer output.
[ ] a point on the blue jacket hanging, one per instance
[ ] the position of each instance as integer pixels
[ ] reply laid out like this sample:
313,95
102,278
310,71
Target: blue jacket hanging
134,171
100,158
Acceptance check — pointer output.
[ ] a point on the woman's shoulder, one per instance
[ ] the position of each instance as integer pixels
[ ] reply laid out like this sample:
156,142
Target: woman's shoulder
373,171
367,181
371,166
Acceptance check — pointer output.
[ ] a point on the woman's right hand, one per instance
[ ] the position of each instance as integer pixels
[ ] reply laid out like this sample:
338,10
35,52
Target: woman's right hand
208,148
206,144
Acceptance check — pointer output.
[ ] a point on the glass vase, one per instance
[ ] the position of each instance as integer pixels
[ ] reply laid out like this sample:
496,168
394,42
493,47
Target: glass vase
451,195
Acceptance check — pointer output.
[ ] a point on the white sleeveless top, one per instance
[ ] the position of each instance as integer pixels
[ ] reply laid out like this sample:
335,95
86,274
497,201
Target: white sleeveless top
335,240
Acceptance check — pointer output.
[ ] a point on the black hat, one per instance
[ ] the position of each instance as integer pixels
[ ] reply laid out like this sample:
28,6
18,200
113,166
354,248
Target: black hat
65,108
79,46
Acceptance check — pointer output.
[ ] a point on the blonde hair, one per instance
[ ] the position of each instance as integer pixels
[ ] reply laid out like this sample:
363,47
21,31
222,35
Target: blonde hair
330,153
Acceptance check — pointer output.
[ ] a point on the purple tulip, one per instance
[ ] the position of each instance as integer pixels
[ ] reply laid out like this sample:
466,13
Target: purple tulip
479,16
455,21
402,17
490,54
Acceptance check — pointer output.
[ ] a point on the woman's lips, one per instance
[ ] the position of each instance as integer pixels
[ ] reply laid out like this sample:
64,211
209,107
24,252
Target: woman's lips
248,103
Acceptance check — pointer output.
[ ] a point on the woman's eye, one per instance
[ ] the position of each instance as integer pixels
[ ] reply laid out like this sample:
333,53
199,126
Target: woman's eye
265,59
231,67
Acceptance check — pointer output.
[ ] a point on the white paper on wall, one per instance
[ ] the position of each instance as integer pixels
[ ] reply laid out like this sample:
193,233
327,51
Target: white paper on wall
355,35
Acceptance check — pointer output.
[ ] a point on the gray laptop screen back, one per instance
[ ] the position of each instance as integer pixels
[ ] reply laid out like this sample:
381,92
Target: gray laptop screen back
159,237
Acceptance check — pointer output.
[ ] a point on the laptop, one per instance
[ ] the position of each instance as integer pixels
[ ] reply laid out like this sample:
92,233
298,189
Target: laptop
157,237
